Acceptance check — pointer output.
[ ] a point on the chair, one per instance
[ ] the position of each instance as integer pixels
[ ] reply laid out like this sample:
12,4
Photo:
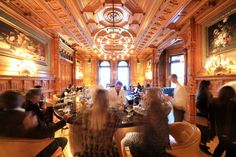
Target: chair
184,141
25,147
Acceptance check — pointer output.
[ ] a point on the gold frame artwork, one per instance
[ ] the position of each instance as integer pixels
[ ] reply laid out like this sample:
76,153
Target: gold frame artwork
18,43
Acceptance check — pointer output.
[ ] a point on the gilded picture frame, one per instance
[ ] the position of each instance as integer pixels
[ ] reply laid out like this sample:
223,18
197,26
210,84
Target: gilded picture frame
20,43
221,33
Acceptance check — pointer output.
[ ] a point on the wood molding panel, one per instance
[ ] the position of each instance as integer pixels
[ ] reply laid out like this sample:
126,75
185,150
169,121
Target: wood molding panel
23,84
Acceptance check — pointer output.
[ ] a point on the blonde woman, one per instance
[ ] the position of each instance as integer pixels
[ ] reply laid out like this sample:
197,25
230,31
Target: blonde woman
97,127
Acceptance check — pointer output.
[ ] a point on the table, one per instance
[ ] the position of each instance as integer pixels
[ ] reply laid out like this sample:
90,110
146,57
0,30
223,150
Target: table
60,108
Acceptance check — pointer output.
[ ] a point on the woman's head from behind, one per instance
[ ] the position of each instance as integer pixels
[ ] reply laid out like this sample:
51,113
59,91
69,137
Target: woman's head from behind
101,100
152,94
11,99
204,85
99,117
226,93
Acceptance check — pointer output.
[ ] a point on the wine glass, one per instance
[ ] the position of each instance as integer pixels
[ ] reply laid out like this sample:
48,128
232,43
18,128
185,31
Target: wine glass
129,109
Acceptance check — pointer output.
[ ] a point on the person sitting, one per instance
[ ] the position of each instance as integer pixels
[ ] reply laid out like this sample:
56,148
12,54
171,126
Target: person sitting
154,140
17,123
66,91
117,97
98,126
48,111
225,109
33,97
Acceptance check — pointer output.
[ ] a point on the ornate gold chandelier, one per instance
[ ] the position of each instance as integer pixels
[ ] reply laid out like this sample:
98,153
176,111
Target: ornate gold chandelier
113,42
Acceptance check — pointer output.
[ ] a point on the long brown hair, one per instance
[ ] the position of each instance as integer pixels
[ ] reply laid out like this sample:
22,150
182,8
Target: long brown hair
156,130
99,111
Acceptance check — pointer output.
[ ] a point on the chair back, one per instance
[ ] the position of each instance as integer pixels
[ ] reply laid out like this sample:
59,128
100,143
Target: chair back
186,139
22,147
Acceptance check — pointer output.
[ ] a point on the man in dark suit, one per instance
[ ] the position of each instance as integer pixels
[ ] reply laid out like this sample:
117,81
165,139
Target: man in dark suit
33,97
15,122
47,110
67,90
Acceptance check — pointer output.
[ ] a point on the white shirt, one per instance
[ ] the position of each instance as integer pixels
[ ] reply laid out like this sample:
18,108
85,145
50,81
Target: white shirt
180,97
116,100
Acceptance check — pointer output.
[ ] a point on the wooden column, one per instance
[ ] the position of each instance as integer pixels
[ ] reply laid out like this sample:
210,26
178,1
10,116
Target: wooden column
74,69
191,83
56,63
154,67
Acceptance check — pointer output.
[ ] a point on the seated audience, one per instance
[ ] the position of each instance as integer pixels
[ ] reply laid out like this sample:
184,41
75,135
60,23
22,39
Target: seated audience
98,126
225,109
33,97
117,97
154,140
203,105
17,123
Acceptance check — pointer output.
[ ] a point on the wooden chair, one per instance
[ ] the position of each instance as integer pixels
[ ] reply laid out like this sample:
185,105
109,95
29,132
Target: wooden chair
25,147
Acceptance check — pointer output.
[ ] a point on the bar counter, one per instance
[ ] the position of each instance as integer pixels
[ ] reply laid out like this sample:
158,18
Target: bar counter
128,124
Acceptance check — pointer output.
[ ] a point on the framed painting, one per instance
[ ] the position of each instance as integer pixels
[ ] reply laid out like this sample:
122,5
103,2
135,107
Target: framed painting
18,43
221,35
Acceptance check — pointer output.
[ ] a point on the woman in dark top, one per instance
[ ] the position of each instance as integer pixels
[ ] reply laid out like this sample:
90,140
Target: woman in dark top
225,115
154,140
203,104
96,128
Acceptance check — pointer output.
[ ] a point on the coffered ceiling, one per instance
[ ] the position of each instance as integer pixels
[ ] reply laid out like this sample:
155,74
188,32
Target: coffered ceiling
148,21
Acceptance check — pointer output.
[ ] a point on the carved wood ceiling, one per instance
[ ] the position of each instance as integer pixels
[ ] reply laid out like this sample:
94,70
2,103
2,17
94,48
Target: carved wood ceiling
153,23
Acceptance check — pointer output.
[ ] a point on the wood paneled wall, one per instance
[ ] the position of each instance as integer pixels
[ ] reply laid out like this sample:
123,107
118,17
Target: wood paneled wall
66,74
23,84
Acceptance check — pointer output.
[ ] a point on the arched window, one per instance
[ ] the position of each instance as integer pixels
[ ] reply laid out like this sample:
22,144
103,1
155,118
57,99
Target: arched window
104,73
123,73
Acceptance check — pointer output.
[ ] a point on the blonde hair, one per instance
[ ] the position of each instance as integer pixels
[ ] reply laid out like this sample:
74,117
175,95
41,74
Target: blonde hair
98,117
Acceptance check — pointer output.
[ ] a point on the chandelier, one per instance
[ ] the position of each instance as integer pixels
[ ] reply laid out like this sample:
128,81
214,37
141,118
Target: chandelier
113,41
218,65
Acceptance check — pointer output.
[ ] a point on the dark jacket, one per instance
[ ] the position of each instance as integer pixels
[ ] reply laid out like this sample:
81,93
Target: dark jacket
44,126
11,122
225,119
203,104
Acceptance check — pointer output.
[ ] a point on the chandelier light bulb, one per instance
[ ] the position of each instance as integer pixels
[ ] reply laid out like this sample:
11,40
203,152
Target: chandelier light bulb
132,46
98,39
113,35
114,59
120,42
